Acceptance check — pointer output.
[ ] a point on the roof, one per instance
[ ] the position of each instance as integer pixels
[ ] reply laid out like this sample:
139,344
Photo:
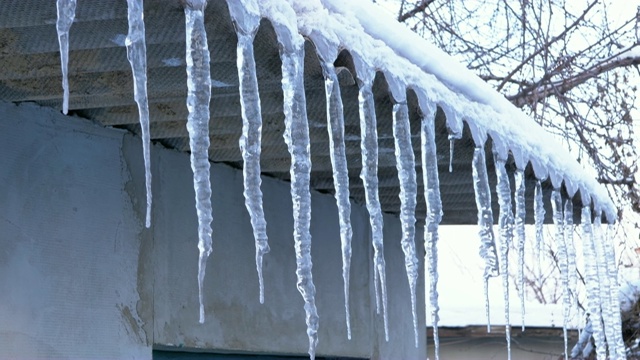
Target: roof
355,34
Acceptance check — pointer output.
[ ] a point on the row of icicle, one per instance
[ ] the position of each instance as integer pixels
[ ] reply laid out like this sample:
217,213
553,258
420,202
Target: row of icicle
599,257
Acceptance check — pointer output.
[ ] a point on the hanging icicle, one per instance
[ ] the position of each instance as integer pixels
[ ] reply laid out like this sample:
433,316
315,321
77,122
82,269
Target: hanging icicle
405,164
66,14
434,216
592,284
616,346
605,285
485,223
558,220
296,137
137,55
520,234
337,152
246,25
571,256
369,176
198,98
538,216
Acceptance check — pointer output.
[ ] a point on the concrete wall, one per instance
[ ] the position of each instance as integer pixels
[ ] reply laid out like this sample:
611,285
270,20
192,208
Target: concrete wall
80,277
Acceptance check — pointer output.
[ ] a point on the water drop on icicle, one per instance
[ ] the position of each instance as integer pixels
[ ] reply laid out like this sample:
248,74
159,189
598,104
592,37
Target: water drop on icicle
485,223
452,142
434,216
337,152
198,98
66,13
250,147
520,234
369,175
137,55
505,220
592,284
538,216
296,137
405,163
558,220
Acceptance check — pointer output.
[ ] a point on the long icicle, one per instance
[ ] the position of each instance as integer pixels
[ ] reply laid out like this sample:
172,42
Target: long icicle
369,175
66,13
198,98
406,166
250,146
337,151
538,216
485,223
434,216
592,283
520,234
612,269
605,285
571,255
505,221
296,136
563,265
137,55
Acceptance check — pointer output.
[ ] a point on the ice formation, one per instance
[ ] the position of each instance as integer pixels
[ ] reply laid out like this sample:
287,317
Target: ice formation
198,97
505,221
434,215
296,136
485,222
137,55
337,151
369,175
66,14
247,19
436,79
563,262
405,163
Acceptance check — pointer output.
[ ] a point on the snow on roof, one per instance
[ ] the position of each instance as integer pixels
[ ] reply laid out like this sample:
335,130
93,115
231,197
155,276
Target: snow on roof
377,42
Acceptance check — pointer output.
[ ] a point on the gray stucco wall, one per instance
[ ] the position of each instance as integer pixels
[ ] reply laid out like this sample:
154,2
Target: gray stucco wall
80,277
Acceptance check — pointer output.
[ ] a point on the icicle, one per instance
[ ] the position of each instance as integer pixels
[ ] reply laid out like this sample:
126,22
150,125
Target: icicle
405,163
538,215
605,285
485,222
66,14
571,255
616,346
137,55
198,97
434,216
335,126
369,175
558,220
296,136
520,233
592,284
505,221
452,142
250,142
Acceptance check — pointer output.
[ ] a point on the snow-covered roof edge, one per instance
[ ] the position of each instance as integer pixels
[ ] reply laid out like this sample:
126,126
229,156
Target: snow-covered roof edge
382,44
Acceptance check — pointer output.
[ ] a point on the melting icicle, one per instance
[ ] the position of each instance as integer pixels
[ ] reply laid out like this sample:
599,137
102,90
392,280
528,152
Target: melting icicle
250,145
337,151
592,284
198,98
520,233
137,55
571,254
452,142
369,175
66,14
616,346
485,222
405,163
558,220
434,216
296,136
505,221
538,215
